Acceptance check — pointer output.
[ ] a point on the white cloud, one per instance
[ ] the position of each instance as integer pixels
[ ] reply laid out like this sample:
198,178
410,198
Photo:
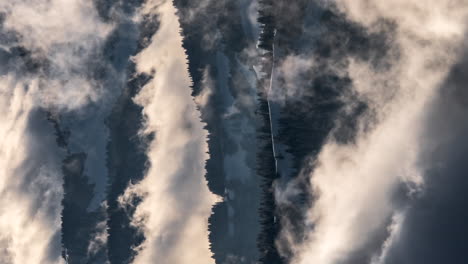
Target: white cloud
30,182
354,184
173,215
60,36
204,96
394,230
64,34
293,73
99,239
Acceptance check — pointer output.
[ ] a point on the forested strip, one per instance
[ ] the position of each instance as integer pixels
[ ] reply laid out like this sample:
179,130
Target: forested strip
266,167
126,151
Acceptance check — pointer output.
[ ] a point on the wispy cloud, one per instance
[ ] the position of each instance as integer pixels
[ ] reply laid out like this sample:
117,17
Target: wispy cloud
45,48
30,187
55,33
354,184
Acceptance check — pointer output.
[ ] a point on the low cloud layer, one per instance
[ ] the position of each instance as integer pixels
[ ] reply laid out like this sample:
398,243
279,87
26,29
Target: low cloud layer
358,186
45,47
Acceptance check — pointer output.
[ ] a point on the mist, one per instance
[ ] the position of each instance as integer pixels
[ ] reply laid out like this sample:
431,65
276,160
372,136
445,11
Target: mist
362,189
